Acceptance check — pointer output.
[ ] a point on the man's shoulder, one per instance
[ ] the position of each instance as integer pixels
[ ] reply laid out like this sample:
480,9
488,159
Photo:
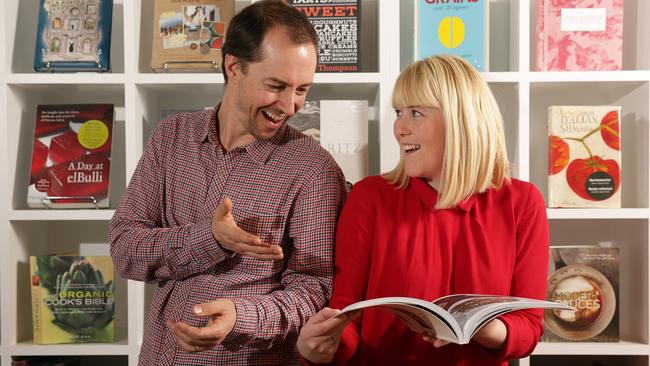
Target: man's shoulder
298,147
190,124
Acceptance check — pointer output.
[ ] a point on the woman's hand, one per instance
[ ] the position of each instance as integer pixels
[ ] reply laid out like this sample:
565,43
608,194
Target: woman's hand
491,336
319,338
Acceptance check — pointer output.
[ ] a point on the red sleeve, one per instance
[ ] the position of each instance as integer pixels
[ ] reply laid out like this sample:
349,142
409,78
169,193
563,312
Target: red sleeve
529,278
352,260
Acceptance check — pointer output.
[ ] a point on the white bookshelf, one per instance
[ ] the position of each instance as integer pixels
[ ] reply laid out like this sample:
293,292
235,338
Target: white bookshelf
140,96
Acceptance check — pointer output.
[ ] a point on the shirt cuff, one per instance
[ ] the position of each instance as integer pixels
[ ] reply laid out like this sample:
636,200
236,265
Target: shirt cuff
245,326
205,247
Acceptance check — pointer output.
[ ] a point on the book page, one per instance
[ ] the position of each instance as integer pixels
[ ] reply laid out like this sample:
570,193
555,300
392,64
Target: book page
419,315
473,311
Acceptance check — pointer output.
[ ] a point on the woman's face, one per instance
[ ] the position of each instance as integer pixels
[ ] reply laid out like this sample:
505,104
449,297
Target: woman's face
420,132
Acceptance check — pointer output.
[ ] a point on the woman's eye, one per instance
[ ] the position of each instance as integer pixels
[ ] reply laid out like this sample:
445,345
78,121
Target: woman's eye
398,113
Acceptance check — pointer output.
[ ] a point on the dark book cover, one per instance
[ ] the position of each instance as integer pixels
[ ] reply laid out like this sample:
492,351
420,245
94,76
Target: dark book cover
338,25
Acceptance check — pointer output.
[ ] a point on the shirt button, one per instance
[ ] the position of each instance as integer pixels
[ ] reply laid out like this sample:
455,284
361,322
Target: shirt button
170,352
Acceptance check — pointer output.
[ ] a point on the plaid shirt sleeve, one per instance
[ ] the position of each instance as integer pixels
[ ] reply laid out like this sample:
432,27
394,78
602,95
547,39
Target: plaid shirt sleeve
142,248
266,320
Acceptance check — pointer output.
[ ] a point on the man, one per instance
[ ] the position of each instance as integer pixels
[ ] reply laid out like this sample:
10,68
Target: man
231,212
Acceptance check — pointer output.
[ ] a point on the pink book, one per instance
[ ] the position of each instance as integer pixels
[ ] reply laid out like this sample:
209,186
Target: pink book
579,35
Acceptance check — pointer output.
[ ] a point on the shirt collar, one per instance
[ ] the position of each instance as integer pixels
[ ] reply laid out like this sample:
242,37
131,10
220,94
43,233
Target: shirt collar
260,150
429,196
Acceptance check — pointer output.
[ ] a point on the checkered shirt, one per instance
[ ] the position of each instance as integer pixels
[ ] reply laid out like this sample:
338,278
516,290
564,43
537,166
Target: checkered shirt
287,190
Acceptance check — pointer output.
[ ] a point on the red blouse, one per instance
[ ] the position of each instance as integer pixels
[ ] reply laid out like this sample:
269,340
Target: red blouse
391,242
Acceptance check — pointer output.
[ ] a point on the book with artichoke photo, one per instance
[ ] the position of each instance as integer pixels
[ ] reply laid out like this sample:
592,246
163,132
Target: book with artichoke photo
72,299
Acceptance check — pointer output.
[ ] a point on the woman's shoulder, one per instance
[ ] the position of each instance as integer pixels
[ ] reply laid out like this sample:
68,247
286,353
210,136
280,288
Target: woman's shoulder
520,192
373,183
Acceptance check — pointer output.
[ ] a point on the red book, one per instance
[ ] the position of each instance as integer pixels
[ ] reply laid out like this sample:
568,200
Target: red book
39,156
71,156
65,147
84,177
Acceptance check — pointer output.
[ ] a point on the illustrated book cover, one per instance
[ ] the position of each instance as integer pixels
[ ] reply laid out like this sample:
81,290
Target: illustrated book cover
453,318
73,35
460,28
71,156
579,35
338,25
587,279
188,35
72,299
584,156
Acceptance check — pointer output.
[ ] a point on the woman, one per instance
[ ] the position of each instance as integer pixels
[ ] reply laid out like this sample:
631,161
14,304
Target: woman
448,219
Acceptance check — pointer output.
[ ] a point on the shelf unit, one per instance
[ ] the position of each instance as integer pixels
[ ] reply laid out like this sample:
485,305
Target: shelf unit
140,97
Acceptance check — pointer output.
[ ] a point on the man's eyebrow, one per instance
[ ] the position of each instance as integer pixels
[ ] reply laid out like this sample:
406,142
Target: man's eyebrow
282,82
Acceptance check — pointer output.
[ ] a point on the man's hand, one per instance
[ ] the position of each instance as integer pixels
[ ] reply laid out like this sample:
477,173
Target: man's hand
319,338
223,315
231,237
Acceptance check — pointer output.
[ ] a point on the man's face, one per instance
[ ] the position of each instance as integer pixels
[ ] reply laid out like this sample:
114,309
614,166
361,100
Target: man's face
270,91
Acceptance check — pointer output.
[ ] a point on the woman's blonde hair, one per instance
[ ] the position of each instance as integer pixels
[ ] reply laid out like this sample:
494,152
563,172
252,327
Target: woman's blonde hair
475,157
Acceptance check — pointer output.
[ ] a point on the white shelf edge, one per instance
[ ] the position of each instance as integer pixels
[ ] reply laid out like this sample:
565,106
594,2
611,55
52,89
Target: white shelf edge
595,213
86,349
179,78
348,78
587,76
68,78
217,78
501,77
61,215
592,348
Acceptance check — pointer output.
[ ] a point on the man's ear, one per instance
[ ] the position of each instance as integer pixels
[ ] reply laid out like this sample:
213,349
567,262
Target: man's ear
233,67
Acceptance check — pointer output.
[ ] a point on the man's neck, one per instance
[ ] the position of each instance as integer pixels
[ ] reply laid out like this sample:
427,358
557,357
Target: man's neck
230,132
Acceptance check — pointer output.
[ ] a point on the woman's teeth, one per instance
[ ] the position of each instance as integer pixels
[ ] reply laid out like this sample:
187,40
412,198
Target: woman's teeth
411,148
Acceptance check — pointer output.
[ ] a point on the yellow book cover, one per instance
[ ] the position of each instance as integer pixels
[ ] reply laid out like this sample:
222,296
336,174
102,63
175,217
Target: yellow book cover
72,299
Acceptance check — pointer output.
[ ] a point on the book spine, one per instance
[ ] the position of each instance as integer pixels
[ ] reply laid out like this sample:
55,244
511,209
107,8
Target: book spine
37,302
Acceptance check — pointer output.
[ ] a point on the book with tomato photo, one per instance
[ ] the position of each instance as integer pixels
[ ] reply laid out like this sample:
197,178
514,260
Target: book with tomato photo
584,156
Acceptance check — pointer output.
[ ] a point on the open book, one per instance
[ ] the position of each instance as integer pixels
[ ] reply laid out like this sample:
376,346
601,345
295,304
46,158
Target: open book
453,318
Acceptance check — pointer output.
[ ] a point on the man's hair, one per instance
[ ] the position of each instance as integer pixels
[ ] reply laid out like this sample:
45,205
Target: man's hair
475,157
248,28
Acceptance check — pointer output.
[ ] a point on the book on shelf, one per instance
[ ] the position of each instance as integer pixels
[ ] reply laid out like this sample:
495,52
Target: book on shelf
587,279
338,25
344,133
579,35
341,127
73,35
72,299
189,35
307,119
71,156
584,156
453,318
45,360
460,28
